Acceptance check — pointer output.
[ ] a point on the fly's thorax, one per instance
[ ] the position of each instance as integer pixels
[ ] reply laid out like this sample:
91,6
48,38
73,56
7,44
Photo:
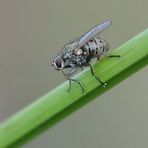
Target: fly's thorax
67,51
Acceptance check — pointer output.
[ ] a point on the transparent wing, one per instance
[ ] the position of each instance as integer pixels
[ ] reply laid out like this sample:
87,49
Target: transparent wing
93,32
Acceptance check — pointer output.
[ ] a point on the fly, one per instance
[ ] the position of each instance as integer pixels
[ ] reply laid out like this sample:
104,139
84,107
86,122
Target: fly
78,53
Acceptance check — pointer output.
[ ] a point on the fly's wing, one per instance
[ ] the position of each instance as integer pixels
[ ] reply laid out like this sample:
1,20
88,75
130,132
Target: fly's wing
93,32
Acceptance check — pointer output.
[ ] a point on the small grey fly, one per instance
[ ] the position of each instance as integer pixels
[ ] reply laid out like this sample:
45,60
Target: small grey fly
79,53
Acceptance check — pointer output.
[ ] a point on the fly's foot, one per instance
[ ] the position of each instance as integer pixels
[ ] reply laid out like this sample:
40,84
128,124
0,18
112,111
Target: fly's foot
69,86
102,83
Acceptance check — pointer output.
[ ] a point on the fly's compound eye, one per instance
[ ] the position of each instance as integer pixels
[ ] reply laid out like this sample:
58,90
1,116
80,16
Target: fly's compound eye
58,63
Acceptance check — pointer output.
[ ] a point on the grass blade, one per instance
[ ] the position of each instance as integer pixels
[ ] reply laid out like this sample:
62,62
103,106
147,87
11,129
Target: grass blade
134,56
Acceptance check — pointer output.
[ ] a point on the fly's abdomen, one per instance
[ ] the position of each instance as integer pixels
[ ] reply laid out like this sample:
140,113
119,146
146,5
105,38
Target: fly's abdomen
96,47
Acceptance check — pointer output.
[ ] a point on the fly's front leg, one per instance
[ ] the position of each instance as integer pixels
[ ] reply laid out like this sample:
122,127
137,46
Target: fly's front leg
67,75
81,68
77,81
102,83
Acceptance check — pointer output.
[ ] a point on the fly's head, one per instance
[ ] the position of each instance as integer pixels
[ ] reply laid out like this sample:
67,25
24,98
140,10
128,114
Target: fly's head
58,63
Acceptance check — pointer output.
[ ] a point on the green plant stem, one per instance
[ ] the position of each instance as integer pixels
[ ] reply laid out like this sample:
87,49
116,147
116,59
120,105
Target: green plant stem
132,53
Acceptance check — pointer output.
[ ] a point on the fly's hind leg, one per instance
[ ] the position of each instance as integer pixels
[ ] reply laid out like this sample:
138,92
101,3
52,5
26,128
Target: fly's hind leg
113,56
102,83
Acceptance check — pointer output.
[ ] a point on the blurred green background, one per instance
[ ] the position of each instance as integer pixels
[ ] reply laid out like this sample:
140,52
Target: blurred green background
31,31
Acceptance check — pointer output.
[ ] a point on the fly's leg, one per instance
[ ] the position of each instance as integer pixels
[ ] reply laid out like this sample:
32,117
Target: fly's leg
69,84
81,68
102,83
67,75
74,80
113,56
